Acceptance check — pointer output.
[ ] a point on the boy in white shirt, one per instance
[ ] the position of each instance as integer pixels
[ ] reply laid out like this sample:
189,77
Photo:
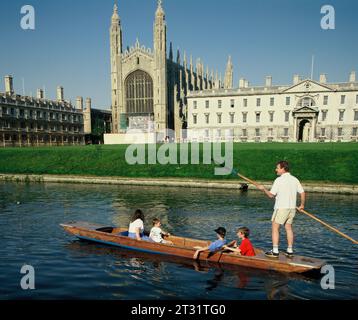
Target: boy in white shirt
156,234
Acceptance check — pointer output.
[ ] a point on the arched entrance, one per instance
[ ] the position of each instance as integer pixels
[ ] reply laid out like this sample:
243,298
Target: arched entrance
305,120
304,131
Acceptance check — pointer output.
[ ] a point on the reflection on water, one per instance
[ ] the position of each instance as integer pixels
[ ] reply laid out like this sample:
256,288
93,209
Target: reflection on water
68,269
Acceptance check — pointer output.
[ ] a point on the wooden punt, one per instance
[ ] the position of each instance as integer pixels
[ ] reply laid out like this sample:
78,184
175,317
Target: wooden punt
185,247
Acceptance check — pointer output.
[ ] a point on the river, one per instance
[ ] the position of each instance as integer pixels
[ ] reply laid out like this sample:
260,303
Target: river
66,268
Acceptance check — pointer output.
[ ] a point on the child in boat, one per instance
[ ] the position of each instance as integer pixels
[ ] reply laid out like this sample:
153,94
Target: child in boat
245,248
214,246
136,227
156,233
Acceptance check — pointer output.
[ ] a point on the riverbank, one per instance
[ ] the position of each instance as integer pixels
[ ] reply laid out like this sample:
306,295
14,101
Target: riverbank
332,163
172,182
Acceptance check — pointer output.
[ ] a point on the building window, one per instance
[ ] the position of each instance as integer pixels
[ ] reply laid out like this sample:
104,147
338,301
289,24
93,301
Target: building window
195,104
218,132
219,118
325,100
257,132
287,116
207,104
195,119
244,117
206,133
288,101
357,99
340,131
232,103
270,132
272,102
232,117
324,115
306,102
323,132
343,99
244,132
219,104
245,102
271,116
258,102
285,132
139,93
258,116
341,115
355,115
207,118
354,131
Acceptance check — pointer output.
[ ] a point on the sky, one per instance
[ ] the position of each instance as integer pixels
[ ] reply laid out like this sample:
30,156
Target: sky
70,43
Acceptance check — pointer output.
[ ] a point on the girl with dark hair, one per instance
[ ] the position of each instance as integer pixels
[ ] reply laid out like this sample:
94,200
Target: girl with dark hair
136,227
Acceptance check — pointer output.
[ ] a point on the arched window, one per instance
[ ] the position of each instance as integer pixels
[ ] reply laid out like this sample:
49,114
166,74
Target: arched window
306,102
139,93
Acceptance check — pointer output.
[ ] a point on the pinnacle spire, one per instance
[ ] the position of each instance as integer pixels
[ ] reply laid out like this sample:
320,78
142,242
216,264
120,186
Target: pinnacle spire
160,11
229,80
115,16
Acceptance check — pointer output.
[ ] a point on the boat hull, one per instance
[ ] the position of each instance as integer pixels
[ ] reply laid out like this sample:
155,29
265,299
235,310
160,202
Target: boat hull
185,247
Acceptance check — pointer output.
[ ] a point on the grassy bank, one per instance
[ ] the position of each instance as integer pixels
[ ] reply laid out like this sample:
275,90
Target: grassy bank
337,163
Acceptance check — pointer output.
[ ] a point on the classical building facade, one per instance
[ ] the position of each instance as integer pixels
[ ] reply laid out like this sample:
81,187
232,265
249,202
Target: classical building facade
307,110
30,121
149,87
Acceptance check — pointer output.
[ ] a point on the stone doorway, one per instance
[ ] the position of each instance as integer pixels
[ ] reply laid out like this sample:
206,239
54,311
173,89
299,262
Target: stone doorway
304,131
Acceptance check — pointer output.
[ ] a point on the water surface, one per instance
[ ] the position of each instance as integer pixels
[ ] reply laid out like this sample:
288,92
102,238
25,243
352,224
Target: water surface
66,268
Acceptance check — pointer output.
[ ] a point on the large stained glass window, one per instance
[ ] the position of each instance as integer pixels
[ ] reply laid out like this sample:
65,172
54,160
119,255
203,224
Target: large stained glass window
139,93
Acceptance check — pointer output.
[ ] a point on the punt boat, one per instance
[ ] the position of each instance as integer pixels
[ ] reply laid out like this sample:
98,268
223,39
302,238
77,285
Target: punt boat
186,247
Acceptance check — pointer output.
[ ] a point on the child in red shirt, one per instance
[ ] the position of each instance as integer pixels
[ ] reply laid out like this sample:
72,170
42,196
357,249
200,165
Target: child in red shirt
245,248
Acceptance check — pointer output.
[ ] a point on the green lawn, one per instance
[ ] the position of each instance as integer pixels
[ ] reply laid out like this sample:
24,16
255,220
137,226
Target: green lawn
333,162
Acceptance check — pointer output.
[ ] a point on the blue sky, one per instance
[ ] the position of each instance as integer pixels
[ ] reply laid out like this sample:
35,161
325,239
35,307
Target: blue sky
70,45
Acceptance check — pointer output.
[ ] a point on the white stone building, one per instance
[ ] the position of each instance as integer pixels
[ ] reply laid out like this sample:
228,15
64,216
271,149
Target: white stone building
306,111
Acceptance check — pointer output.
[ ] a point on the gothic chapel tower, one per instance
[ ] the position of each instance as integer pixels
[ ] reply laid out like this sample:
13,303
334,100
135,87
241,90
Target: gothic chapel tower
160,70
116,70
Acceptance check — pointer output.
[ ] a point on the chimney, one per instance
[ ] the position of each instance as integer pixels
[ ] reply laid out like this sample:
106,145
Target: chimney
88,104
241,83
296,79
9,88
323,78
268,81
79,103
352,77
40,94
60,96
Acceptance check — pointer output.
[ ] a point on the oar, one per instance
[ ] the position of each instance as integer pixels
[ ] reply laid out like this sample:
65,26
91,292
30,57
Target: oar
235,172
328,226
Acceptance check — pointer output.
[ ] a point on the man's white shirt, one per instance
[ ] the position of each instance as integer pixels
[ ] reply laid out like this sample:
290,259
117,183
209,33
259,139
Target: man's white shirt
285,188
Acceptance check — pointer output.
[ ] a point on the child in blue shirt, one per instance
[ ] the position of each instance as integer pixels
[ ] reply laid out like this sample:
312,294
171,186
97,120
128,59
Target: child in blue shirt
214,246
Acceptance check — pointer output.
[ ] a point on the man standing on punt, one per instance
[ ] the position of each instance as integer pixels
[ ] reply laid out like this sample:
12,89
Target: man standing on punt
284,190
